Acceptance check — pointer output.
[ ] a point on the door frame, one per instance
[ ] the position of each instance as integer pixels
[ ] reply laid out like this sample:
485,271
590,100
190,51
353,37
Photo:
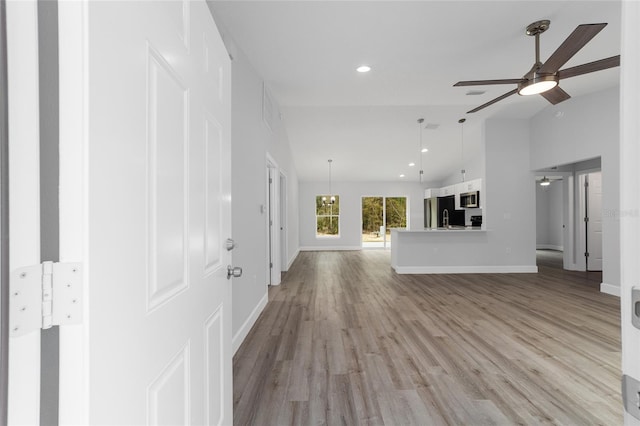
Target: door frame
4,221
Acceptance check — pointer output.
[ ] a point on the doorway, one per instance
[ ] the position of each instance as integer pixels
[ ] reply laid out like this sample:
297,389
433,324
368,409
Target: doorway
379,215
591,218
274,222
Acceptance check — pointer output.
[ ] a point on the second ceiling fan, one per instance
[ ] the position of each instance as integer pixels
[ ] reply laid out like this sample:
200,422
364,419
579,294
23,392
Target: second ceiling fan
543,78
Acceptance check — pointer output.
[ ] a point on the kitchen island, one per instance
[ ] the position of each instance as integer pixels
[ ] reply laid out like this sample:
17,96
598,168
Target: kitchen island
455,250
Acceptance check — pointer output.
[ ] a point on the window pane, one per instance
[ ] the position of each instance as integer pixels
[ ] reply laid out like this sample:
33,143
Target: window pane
327,208
372,213
327,225
327,215
396,213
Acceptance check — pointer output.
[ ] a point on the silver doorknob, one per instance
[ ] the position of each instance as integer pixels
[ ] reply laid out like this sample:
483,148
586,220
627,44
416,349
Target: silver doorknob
230,244
235,272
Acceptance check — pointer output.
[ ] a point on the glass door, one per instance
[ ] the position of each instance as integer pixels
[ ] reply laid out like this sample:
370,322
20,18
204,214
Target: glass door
379,215
372,222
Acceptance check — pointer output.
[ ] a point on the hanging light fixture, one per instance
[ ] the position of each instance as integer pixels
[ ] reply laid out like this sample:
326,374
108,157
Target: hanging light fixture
462,170
545,181
332,198
421,173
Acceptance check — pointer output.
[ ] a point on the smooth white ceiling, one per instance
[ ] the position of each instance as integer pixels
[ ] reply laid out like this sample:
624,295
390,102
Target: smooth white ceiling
307,52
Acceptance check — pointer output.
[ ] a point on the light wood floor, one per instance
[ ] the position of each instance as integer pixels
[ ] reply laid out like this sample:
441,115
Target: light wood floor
346,341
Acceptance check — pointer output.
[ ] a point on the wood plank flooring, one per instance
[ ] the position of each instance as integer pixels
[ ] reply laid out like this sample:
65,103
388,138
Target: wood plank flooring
346,341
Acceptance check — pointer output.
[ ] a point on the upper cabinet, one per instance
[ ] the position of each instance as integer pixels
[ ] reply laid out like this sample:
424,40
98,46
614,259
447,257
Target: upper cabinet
470,186
447,190
431,192
456,190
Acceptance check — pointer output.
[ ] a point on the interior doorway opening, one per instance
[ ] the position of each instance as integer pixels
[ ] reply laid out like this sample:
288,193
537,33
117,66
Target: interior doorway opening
379,215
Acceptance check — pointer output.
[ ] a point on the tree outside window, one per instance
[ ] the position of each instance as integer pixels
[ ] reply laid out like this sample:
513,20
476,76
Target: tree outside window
327,215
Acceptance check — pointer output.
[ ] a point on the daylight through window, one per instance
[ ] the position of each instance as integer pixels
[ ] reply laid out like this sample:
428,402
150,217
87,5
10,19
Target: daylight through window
327,215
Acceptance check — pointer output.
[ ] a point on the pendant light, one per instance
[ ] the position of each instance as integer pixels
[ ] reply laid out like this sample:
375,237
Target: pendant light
462,170
545,181
332,198
420,121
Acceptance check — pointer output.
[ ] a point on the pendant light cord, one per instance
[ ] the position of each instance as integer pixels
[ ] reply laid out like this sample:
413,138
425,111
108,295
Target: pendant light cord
462,170
420,121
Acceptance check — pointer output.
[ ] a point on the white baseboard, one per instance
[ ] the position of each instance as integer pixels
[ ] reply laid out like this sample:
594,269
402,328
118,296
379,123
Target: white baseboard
613,290
330,248
510,269
549,247
293,258
239,337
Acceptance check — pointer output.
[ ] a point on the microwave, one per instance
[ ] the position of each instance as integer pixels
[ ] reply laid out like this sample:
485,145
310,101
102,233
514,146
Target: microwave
470,199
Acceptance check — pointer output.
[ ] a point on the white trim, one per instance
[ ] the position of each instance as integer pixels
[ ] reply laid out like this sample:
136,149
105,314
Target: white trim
293,258
549,247
329,248
507,269
611,289
244,330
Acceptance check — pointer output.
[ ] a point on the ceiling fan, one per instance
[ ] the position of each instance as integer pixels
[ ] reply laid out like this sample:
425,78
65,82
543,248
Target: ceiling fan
543,78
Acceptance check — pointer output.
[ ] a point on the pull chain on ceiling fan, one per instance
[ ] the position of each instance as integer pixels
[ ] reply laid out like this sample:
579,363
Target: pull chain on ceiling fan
543,78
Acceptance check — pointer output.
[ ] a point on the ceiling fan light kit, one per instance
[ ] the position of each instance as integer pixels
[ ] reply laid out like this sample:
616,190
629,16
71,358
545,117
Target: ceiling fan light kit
537,85
544,78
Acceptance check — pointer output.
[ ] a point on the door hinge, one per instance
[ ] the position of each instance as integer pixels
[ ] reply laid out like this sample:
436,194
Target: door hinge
586,219
270,264
586,254
45,295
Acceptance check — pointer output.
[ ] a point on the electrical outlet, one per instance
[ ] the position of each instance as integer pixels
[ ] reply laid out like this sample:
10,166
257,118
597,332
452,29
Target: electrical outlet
631,395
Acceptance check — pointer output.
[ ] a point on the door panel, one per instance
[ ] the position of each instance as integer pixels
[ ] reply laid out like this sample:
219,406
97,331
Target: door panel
157,340
594,237
24,197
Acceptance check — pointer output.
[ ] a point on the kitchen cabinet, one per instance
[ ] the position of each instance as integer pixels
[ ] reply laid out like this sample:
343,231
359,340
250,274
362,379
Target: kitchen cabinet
447,190
469,186
431,192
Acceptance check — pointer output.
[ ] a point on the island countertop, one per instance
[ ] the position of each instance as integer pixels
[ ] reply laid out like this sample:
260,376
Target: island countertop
445,230
449,251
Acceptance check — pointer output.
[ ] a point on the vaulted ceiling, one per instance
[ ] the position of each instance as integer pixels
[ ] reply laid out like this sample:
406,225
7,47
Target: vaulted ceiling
307,52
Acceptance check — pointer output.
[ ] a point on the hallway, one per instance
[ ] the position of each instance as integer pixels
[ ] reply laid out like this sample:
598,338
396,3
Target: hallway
345,340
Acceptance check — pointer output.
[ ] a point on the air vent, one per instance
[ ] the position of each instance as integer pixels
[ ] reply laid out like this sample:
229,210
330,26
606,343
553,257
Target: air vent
476,92
431,126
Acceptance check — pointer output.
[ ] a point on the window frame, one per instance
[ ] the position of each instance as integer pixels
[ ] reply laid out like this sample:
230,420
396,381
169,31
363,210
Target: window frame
334,215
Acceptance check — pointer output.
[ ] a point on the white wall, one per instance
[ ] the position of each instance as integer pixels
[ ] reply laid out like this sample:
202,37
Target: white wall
549,213
474,155
509,207
251,140
629,211
351,194
588,127
508,245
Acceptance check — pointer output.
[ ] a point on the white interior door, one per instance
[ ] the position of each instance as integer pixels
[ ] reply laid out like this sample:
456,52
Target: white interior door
24,202
145,100
594,225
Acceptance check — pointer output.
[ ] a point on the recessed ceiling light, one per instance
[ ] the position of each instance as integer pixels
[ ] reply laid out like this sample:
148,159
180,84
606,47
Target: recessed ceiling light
401,175
424,150
363,68
412,164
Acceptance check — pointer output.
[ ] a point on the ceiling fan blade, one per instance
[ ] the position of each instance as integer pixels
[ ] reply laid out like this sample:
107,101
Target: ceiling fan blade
576,41
602,64
487,82
493,101
555,95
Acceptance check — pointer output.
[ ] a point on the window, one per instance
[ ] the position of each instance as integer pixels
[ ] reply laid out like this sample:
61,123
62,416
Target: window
327,215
